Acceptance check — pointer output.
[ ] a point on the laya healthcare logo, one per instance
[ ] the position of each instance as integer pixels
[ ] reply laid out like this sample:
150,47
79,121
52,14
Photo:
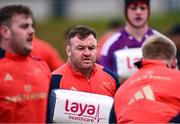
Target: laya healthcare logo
82,112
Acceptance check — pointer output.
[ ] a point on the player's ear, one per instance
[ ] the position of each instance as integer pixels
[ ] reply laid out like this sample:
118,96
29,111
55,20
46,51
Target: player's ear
68,50
172,63
4,31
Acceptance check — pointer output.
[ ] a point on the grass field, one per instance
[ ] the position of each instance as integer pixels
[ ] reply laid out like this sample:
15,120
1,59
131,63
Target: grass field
54,30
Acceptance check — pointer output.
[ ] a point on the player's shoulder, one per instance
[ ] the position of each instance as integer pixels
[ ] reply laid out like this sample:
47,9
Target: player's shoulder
61,70
110,42
105,71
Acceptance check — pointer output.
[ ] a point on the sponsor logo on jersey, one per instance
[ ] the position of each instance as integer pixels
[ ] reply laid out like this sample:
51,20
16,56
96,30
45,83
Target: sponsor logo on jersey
8,77
145,93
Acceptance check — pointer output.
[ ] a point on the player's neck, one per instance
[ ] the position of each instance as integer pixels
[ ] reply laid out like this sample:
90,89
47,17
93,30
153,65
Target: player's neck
138,33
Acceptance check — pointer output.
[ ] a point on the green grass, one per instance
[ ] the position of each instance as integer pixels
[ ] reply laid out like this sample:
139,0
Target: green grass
54,30
164,22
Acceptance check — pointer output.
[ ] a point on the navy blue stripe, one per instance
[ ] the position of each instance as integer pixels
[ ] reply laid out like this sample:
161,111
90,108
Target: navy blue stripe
51,107
114,66
55,83
175,119
2,53
114,76
112,116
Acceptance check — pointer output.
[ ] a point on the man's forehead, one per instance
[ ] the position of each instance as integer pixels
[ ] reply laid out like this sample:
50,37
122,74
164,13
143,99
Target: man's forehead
78,42
86,39
21,16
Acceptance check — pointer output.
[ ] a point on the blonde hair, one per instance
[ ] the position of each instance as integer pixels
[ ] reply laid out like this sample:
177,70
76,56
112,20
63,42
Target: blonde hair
159,47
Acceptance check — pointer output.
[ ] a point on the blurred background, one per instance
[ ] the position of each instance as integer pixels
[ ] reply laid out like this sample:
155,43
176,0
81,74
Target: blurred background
54,18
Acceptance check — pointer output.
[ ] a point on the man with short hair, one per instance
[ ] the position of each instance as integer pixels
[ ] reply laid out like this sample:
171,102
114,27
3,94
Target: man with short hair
24,80
151,95
121,50
80,72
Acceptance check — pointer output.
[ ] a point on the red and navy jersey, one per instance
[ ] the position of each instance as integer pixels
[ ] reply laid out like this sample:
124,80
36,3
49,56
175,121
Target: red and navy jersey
24,86
102,81
150,95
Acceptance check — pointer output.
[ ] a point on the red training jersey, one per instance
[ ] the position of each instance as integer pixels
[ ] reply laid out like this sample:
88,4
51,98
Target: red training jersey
101,81
150,95
24,85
